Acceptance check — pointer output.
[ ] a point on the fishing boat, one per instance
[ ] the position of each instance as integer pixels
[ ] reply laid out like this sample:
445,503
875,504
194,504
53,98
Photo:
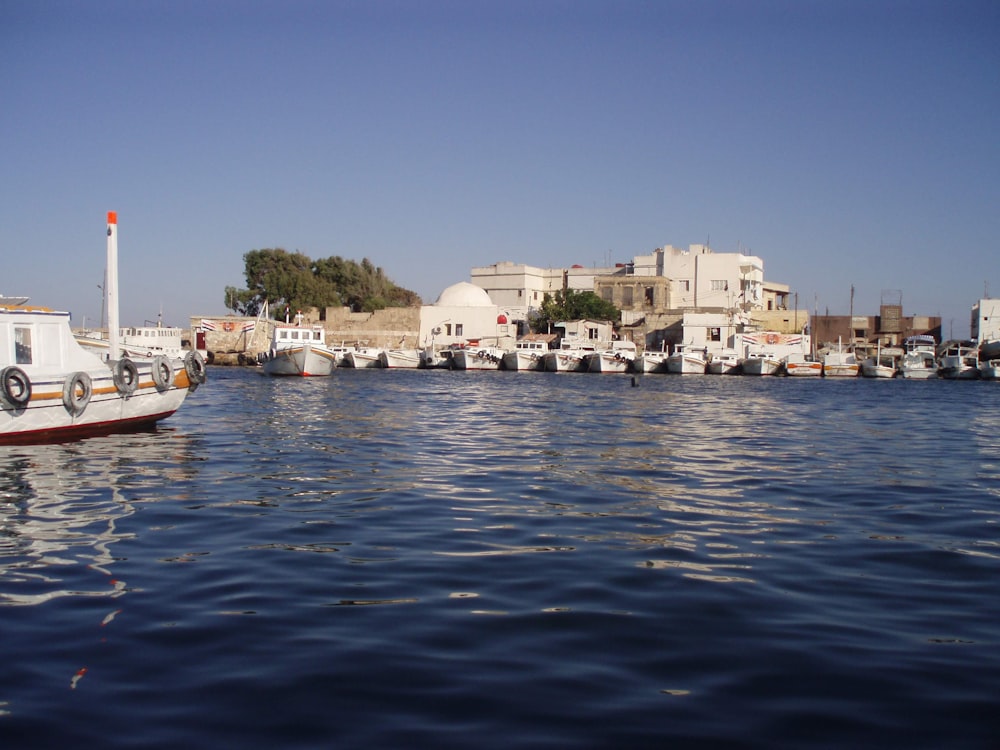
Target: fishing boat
799,364
618,358
723,362
989,369
958,360
298,350
53,389
408,359
919,361
527,355
137,341
651,360
883,364
477,358
687,360
761,363
361,357
839,363
571,356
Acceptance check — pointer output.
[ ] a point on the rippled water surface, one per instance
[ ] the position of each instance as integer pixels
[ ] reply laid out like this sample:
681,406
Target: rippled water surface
495,560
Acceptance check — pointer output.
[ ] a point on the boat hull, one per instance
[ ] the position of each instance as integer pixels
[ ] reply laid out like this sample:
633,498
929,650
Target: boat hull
305,361
685,365
362,359
57,411
604,362
522,361
476,359
650,362
408,359
761,366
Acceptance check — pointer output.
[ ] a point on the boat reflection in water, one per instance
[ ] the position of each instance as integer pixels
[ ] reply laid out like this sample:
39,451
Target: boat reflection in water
61,508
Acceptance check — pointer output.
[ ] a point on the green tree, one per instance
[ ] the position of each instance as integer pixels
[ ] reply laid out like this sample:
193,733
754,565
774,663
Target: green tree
294,280
572,305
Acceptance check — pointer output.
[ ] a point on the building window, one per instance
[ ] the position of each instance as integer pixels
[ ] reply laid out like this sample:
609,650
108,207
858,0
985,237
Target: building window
684,285
720,285
627,296
607,294
649,295
459,329
447,329
715,334
520,292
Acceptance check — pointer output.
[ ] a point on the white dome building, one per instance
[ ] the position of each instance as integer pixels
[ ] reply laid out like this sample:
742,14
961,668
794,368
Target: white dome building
464,294
464,314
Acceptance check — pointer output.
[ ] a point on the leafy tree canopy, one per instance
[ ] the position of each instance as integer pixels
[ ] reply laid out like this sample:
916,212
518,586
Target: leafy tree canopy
293,279
573,305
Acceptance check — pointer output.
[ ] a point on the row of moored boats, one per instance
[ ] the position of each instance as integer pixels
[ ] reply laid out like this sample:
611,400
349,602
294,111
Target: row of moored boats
300,350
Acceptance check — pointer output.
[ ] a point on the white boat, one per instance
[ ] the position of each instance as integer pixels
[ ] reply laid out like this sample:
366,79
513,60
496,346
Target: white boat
528,355
298,350
919,361
654,360
958,361
798,364
883,364
361,357
477,358
989,369
761,363
137,342
568,358
436,359
687,360
400,358
53,389
840,363
723,362
618,358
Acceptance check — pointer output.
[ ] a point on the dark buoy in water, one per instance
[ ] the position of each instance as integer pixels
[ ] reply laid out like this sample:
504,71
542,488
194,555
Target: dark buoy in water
635,382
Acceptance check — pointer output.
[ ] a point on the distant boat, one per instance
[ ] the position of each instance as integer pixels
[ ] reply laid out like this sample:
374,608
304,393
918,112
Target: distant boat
527,355
52,388
570,357
298,350
918,361
616,359
958,361
400,358
477,358
651,360
883,364
361,357
840,364
799,364
687,360
723,362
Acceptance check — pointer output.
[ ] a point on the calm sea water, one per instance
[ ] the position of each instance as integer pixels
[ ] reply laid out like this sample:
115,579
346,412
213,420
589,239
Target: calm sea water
389,559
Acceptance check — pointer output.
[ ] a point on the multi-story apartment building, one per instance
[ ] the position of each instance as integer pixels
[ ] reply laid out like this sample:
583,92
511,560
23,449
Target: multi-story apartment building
668,279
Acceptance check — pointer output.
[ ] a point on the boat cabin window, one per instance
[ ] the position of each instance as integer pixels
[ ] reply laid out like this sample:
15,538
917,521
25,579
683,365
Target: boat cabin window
22,345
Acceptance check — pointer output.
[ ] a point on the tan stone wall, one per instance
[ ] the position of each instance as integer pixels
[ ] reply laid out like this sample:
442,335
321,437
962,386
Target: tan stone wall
392,327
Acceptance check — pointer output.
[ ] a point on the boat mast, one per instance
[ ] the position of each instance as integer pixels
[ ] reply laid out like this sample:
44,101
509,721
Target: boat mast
111,286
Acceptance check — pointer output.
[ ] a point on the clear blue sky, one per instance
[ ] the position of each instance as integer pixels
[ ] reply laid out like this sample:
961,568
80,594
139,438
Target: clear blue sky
843,142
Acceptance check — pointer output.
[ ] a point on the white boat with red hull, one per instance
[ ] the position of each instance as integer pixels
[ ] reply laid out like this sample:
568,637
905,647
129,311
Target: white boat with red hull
53,389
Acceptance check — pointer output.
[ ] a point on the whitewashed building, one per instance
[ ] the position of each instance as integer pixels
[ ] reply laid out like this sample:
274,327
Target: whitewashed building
465,313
